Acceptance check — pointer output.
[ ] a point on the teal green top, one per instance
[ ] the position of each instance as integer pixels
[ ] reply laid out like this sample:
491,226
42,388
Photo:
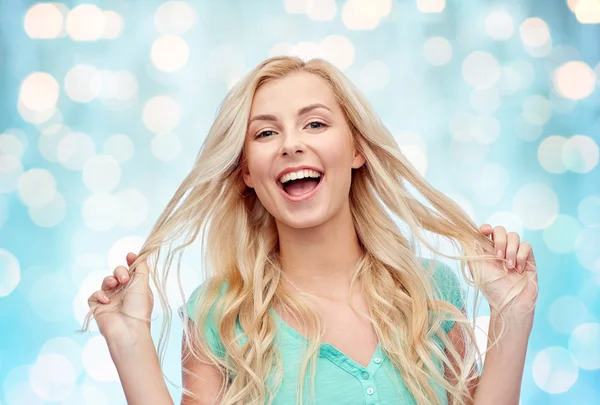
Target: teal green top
339,379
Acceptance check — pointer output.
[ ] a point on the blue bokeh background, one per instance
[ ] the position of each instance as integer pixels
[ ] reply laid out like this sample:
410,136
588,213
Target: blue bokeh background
105,104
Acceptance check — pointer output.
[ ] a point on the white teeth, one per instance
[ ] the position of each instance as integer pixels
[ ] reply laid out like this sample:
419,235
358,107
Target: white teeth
300,174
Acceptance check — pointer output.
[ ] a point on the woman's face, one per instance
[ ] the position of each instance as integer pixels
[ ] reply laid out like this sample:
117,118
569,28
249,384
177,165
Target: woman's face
295,121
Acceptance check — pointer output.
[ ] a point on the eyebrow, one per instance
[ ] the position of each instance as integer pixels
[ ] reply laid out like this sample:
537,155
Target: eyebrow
302,111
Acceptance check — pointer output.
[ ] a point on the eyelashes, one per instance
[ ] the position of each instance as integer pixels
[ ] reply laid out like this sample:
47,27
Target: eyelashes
322,125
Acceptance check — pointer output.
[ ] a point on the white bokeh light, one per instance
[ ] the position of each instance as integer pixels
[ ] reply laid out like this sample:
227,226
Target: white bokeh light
491,184
566,313
554,370
113,26
507,219
39,92
120,147
11,170
375,75
11,145
50,214
580,154
588,210
83,83
97,361
360,15
119,249
101,173
536,204
49,139
584,346
480,70
165,147
431,6
134,208
586,248
534,32
65,347
499,25
550,154
560,236
101,212
161,114
85,22
74,149
526,130
174,17
324,10
170,53
485,129
339,50
227,63
10,272
537,110
43,21
17,390
437,51
588,11
574,80
36,187
52,377
485,101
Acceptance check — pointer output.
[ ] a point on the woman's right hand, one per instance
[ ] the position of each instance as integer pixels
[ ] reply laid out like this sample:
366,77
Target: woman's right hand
137,301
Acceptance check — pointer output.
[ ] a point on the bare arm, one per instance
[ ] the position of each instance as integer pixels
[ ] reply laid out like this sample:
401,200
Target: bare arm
139,371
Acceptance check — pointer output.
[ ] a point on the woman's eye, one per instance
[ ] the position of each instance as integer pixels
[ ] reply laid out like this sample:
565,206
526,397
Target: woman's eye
261,133
264,134
317,122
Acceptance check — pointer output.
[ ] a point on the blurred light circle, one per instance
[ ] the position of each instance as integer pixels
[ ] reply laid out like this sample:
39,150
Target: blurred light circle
375,75
169,53
509,81
324,11
491,184
584,346
89,394
120,147
134,208
35,117
588,210
499,25
36,187
417,157
10,272
574,80
460,126
360,15
536,109
161,114
507,219
296,6
11,145
113,26
85,264
550,154
49,139
126,85
51,214
485,129
541,51
527,130
85,22
480,70
561,105
227,62
166,147
534,32
83,83
97,361
43,21
174,17
437,51
580,154
101,173
566,313
339,50
101,212
306,50
281,48
554,370
573,4
431,6
119,249
67,348
74,149
10,172
39,92
536,204
586,248
52,377
560,236
588,11
17,390
485,101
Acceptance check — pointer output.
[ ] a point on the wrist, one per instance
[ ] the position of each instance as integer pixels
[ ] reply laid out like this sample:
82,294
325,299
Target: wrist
133,338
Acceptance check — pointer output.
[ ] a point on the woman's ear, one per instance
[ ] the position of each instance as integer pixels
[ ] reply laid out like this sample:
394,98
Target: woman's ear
358,160
246,174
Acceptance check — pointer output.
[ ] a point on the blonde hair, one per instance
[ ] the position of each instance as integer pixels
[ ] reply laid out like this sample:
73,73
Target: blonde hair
240,246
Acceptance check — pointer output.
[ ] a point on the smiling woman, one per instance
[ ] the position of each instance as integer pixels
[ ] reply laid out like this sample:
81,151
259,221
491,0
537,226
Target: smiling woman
298,193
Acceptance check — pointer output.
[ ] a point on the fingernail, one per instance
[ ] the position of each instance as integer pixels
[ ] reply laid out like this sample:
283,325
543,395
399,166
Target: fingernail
511,263
499,253
519,268
105,298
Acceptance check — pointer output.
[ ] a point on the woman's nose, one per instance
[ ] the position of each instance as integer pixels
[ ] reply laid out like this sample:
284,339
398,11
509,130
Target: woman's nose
291,144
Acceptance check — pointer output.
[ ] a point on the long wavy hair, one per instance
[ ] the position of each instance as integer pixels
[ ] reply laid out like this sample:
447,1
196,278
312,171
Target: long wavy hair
239,244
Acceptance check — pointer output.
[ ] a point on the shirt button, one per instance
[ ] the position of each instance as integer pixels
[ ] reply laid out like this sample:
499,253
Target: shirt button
377,360
365,376
370,391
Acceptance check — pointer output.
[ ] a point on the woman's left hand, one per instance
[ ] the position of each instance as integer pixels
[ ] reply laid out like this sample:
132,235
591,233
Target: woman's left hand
520,264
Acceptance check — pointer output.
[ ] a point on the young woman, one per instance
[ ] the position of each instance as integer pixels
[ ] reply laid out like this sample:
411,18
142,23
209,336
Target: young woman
314,293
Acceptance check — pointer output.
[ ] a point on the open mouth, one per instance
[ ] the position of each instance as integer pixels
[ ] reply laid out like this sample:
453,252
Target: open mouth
298,188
